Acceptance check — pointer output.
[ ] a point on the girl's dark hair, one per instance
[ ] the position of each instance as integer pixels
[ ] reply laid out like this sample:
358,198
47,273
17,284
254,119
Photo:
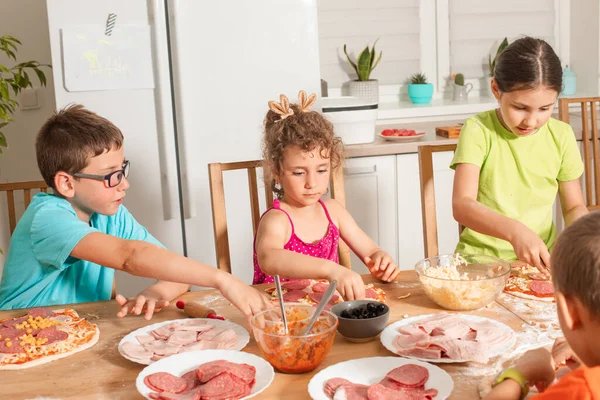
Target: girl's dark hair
528,63
308,130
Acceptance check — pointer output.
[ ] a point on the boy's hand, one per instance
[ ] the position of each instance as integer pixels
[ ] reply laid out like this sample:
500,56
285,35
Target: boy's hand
138,304
538,368
349,283
245,298
531,249
382,266
562,353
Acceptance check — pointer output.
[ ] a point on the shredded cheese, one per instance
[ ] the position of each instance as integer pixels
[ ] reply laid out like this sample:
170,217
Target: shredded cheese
453,290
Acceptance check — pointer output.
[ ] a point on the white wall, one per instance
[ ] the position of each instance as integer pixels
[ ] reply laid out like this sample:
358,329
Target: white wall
27,21
585,46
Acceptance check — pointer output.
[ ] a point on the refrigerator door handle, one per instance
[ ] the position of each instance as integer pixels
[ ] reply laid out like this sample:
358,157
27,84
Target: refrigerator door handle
189,208
164,116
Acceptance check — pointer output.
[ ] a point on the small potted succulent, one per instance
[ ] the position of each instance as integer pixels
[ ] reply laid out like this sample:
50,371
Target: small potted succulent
460,91
365,64
492,66
419,91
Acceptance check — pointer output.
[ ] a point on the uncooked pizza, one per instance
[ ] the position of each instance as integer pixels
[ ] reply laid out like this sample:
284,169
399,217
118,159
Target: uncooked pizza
41,336
310,291
527,282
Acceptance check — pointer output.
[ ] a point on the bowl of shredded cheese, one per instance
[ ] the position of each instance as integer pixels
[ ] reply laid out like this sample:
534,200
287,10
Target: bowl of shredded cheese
463,282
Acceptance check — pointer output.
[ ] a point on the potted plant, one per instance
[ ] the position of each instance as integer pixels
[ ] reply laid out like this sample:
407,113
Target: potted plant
419,91
460,91
15,79
492,66
364,65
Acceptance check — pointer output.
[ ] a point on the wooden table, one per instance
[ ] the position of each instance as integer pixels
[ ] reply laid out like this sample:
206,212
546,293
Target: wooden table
102,373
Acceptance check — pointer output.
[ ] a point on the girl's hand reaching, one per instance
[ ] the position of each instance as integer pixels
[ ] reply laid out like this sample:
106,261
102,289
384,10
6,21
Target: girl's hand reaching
531,249
350,284
382,266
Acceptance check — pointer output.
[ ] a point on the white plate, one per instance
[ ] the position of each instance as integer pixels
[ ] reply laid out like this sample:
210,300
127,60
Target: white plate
242,334
390,332
179,364
402,138
371,370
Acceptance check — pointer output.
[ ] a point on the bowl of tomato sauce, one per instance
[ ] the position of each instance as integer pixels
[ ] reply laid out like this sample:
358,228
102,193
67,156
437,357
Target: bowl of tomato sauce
295,352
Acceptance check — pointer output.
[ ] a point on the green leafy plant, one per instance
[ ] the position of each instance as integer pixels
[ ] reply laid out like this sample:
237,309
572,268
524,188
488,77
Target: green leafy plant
15,79
492,63
365,64
418,79
459,79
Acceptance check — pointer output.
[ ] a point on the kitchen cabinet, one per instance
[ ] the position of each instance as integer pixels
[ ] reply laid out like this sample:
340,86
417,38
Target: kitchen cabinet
370,187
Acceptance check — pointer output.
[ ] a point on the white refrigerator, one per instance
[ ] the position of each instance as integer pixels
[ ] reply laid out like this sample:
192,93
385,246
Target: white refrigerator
194,90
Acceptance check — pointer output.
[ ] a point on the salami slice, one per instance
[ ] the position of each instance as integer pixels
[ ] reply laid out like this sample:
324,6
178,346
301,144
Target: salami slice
209,370
333,384
294,295
14,348
298,284
409,375
370,294
192,381
382,392
354,391
320,287
10,333
224,386
52,334
12,322
542,287
40,312
165,382
316,297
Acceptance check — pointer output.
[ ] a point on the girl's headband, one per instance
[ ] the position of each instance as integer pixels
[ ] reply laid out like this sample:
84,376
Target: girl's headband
283,107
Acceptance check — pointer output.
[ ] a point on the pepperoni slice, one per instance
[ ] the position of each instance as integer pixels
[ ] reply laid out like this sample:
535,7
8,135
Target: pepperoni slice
298,284
40,312
10,333
165,382
52,334
409,375
316,297
294,295
370,294
320,287
541,287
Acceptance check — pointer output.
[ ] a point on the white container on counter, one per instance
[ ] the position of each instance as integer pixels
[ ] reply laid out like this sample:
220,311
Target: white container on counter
353,118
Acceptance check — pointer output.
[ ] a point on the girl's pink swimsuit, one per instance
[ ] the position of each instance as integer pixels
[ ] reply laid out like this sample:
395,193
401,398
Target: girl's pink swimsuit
326,248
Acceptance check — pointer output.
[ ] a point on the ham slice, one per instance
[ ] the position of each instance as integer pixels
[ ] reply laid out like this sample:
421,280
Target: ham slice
182,338
136,351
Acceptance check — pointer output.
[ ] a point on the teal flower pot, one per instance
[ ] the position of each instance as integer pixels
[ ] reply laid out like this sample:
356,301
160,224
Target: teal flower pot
420,93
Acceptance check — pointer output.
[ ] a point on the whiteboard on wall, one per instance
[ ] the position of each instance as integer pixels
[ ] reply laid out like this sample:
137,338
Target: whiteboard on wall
94,61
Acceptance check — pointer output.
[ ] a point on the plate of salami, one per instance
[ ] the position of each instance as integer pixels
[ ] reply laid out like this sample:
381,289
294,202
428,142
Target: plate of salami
381,378
208,374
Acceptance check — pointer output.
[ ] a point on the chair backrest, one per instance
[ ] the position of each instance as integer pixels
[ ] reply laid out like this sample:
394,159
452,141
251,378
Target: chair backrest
217,195
430,232
592,169
26,187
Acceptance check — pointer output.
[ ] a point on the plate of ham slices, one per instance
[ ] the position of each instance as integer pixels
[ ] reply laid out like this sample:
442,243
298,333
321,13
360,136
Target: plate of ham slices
379,378
214,374
448,338
156,341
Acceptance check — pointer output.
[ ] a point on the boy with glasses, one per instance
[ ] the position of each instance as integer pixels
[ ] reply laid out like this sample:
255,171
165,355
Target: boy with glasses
67,245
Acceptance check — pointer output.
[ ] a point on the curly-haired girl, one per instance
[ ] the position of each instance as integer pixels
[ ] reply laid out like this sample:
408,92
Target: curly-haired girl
301,151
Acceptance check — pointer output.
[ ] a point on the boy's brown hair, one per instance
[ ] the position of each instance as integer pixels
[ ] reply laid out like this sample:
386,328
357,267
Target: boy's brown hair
70,138
575,262
306,129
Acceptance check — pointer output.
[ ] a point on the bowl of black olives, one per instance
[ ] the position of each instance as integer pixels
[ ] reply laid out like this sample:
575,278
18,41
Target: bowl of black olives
361,320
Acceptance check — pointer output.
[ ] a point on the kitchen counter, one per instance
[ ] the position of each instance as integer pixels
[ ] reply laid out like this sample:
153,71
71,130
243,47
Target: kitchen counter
382,147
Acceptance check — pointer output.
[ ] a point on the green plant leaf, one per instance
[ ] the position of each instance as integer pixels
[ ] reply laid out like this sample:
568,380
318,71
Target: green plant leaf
41,76
379,59
373,54
2,138
350,61
364,64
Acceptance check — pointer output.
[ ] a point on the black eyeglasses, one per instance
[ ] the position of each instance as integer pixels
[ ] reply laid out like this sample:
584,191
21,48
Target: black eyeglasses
113,179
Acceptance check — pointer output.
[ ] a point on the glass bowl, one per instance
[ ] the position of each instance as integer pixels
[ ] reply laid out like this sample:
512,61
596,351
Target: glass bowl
463,282
294,353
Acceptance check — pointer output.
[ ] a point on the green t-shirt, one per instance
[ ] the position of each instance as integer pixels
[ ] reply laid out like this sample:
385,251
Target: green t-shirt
518,176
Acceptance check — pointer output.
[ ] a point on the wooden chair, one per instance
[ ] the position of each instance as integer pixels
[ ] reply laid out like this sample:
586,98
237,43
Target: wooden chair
591,168
217,195
26,187
430,232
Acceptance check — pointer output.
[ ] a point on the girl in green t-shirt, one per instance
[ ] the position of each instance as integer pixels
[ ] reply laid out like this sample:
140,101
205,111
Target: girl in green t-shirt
512,161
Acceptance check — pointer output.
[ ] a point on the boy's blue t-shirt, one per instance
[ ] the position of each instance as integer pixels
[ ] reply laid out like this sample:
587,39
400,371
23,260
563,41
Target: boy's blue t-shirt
39,270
